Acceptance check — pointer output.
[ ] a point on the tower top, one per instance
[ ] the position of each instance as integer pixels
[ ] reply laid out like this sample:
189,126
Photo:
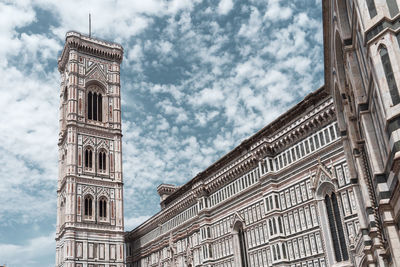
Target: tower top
93,46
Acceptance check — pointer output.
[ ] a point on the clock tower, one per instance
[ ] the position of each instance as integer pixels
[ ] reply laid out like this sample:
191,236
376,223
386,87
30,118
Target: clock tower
90,220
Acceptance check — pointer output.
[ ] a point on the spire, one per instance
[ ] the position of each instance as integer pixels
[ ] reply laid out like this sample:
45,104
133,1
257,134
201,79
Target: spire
90,26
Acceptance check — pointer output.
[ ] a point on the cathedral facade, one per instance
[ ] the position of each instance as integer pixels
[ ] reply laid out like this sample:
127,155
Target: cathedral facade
283,197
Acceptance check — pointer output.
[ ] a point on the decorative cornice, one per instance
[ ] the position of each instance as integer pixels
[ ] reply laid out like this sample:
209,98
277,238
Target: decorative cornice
246,155
166,189
163,240
93,46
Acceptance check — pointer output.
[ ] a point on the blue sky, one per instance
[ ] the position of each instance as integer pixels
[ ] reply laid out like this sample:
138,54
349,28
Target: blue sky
198,77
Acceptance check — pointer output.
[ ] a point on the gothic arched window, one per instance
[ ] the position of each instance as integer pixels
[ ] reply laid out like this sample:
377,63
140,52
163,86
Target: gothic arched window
274,253
336,228
88,158
243,247
280,225
102,161
94,106
387,67
284,251
88,206
103,208
271,232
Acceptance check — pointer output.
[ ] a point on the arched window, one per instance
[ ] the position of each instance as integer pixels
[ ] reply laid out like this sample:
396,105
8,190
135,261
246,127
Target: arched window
278,252
240,245
102,161
62,213
88,206
94,106
387,67
88,158
270,228
274,252
336,228
284,251
280,225
103,208
243,246
276,201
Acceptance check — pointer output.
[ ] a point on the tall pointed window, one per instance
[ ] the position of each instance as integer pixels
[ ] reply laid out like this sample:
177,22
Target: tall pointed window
336,228
88,158
88,206
280,225
103,208
271,232
387,67
102,161
243,248
284,251
94,106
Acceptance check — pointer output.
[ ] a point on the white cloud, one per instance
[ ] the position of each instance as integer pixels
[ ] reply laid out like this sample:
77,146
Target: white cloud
275,12
38,251
132,222
171,109
208,96
225,6
252,28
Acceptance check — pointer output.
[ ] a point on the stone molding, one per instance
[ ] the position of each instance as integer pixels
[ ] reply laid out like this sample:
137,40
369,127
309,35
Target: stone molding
96,47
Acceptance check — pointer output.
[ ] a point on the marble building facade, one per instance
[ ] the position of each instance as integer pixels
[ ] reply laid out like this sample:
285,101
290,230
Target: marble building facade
283,197
362,60
90,223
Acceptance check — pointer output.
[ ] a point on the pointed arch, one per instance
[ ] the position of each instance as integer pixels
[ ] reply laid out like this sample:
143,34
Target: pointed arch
88,208
325,187
94,99
103,207
88,158
102,161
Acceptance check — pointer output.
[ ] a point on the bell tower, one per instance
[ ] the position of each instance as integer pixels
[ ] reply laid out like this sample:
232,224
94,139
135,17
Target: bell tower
90,222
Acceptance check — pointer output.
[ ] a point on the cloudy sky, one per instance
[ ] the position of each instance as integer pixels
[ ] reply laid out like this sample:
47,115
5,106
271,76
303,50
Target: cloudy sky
198,77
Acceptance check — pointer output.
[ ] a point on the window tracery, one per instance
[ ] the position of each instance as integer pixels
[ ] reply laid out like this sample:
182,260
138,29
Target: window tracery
88,211
88,158
102,160
94,104
103,208
336,228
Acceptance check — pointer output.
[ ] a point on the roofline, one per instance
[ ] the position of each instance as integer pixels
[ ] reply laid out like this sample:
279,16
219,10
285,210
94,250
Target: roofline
244,146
